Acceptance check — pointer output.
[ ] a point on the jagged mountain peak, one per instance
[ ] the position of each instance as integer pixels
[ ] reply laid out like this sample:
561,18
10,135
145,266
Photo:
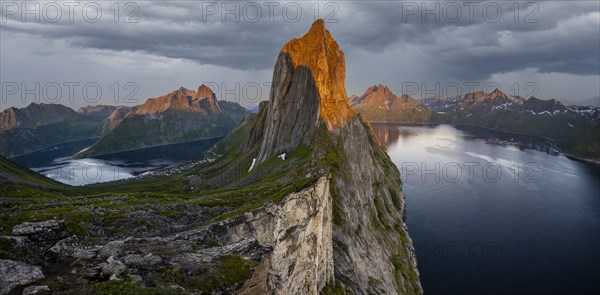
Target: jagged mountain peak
379,103
308,92
498,94
472,96
497,91
203,101
320,53
379,88
184,92
204,92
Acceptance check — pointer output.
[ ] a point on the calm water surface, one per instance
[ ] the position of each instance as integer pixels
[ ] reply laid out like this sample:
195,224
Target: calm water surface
56,162
495,213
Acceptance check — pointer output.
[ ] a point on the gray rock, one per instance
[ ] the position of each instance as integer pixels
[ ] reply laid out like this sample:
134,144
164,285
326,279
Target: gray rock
114,248
248,248
20,243
50,230
141,261
285,128
36,290
113,266
70,246
14,274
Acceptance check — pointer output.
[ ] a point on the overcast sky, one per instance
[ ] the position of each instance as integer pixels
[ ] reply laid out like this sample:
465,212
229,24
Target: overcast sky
548,49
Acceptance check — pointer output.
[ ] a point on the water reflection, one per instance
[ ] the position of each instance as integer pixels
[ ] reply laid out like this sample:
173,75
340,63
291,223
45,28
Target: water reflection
493,212
388,134
56,162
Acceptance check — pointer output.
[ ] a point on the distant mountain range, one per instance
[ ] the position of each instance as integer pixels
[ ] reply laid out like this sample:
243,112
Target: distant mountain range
380,104
182,115
42,125
574,129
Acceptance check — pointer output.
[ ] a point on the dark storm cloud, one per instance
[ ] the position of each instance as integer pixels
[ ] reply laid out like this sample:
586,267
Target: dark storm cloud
565,38
551,36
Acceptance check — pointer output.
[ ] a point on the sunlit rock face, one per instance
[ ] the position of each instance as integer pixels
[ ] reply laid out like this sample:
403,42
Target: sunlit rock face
308,90
203,101
319,52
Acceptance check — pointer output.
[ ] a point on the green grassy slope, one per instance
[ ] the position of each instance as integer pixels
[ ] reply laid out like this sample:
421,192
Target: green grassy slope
11,172
168,127
23,140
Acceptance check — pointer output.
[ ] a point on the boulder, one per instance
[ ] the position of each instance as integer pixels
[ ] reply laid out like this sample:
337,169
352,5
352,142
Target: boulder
14,274
50,230
113,248
113,266
36,290
141,261
72,247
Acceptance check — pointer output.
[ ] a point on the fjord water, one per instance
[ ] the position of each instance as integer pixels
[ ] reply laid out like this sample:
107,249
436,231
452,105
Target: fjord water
57,163
533,229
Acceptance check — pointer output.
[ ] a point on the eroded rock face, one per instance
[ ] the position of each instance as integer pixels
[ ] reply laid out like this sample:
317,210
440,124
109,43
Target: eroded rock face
293,112
14,274
142,261
291,240
375,253
299,232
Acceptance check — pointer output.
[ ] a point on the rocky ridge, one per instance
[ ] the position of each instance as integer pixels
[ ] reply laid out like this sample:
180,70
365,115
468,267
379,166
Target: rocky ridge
35,115
379,103
181,115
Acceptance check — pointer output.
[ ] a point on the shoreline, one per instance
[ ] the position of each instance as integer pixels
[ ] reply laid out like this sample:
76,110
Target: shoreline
548,140
50,146
146,147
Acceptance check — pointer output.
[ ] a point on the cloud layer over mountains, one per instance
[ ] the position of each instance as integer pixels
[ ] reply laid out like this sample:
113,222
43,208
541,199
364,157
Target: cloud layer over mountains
391,42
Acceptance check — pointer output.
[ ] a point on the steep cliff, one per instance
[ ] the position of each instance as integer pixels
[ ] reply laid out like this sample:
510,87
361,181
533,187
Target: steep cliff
308,108
308,92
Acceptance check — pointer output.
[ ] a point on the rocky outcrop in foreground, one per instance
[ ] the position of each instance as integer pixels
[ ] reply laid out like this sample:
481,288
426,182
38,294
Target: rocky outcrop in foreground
299,226
14,274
